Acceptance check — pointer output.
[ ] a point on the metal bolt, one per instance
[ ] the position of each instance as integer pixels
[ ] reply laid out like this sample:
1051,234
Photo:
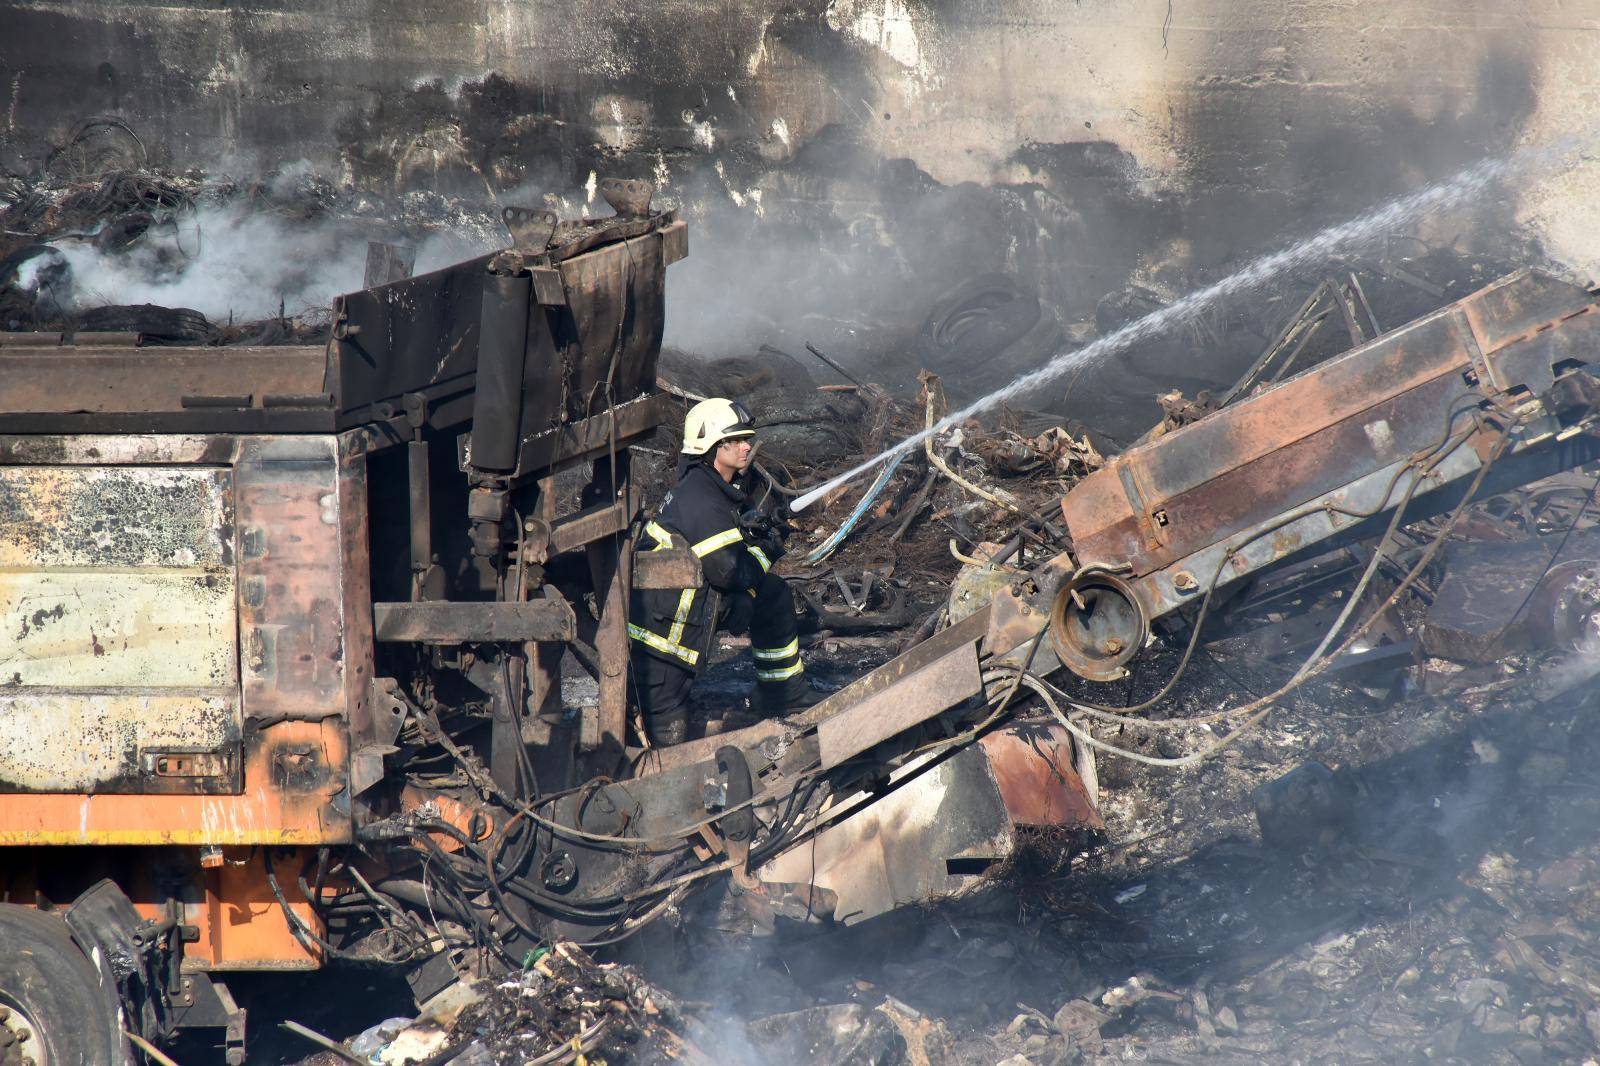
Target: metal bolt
1184,581
1111,645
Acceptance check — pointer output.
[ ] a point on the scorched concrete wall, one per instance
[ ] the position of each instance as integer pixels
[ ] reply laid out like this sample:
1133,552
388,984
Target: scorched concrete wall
839,154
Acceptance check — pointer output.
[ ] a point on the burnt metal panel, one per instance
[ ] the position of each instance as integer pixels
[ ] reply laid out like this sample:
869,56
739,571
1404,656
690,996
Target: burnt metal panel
1243,465
356,594
278,777
942,822
440,622
914,698
267,811
119,740
116,449
598,346
609,331
590,524
292,570
129,379
932,835
119,668
1035,771
407,335
551,450
1517,305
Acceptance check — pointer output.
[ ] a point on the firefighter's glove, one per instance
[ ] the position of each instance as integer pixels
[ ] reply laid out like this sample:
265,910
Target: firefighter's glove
760,525
765,532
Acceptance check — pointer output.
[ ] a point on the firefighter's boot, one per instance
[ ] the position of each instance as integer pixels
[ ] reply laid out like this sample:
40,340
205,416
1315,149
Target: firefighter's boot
773,699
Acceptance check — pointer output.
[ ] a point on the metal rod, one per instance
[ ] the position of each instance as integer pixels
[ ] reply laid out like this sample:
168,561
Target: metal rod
321,1041
841,371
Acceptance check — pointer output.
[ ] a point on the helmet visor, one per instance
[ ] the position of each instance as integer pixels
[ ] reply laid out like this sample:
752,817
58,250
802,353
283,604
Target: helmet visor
746,424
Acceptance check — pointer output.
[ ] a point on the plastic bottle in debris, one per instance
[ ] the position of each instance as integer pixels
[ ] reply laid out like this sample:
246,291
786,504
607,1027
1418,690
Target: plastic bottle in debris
371,1042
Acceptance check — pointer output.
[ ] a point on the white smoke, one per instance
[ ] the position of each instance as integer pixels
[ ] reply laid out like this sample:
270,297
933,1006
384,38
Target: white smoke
225,261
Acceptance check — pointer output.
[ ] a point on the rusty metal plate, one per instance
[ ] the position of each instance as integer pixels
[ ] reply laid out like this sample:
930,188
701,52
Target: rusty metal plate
590,524
108,380
438,622
914,698
1039,784
292,573
932,835
1306,437
556,448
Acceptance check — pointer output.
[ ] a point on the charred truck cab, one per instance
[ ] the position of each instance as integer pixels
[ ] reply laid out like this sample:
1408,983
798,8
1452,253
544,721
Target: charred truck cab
240,588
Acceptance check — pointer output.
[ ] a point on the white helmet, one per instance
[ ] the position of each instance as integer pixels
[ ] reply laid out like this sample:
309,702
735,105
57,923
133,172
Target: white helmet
710,422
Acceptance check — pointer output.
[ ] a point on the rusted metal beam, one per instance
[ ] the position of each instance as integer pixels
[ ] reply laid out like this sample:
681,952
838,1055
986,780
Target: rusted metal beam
442,622
1304,462
592,436
911,699
589,525
609,571
96,379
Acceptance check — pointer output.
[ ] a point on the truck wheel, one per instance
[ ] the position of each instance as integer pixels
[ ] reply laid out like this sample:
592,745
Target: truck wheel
55,1011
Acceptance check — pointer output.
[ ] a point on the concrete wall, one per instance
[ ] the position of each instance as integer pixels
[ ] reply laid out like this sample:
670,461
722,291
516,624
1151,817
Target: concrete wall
850,156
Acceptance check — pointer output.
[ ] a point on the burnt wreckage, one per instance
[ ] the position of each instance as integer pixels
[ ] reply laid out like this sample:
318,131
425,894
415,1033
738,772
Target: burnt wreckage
288,628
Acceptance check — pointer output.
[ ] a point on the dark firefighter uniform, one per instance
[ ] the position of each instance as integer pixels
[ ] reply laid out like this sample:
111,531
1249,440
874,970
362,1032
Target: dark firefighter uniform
672,629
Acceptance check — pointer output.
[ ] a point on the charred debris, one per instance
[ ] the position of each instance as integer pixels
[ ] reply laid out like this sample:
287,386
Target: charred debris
1343,802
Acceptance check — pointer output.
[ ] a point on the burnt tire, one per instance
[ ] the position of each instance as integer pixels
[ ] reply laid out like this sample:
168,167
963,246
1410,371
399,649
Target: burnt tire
53,993
154,323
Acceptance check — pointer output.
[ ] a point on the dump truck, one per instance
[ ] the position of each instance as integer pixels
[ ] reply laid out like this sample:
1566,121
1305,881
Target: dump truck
282,653
283,634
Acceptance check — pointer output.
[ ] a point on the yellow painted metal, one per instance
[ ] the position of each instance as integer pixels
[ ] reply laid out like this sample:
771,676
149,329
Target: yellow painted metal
118,626
75,741
111,627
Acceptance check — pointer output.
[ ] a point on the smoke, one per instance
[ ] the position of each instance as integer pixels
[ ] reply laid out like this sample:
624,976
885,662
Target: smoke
1397,213
226,261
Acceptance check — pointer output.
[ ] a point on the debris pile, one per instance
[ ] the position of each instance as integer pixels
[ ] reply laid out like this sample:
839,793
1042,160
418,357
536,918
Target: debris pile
205,259
565,1007
1397,864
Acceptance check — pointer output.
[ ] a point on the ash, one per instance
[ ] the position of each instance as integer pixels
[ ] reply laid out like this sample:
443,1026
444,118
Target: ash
1448,914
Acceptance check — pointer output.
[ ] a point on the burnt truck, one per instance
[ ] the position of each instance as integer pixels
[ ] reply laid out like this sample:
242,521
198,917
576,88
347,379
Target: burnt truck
282,634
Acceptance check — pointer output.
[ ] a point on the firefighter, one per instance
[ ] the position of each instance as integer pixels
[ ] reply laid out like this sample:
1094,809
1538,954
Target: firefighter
672,629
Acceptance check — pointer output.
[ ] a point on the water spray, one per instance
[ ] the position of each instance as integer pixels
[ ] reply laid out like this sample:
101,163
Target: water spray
1375,223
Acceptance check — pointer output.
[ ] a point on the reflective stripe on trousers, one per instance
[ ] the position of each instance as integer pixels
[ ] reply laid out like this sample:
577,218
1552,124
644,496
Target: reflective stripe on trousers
662,644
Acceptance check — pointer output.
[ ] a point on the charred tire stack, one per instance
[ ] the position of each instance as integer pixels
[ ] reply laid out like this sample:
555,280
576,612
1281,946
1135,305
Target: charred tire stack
57,1012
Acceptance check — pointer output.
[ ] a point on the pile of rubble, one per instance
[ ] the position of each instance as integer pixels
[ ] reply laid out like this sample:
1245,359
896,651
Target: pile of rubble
296,239
1399,864
1420,886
